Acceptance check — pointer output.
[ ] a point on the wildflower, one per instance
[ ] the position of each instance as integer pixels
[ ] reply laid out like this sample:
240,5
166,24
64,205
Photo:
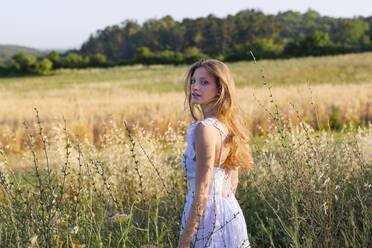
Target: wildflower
74,230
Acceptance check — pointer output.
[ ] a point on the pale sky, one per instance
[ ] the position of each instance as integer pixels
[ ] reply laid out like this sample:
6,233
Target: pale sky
62,24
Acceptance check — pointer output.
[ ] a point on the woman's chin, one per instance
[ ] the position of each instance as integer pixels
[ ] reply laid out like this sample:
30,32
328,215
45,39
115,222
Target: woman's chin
195,101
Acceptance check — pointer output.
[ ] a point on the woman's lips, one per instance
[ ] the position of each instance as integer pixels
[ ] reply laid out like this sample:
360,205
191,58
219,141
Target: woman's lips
195,95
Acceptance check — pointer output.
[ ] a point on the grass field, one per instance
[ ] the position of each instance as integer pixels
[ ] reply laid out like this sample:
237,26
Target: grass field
98,183
338,91
342,69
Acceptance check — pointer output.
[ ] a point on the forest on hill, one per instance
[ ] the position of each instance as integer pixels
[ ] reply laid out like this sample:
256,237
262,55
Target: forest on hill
7,51
286,34
232,38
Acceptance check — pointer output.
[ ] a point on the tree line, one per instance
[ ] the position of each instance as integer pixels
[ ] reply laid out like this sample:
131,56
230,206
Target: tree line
167,41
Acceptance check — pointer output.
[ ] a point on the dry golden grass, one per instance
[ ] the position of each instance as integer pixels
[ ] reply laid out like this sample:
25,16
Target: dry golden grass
152,96
86,113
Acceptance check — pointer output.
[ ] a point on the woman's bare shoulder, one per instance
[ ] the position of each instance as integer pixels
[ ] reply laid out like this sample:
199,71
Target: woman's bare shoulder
206,133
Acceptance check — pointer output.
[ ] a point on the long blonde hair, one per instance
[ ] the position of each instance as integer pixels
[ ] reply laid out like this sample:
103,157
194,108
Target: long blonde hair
227,110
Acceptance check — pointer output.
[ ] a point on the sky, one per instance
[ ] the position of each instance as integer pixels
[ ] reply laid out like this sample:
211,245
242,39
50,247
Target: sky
66,24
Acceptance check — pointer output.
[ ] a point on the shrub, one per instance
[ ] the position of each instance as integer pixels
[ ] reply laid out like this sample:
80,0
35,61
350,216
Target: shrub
44,66
97,60
74,60
21,63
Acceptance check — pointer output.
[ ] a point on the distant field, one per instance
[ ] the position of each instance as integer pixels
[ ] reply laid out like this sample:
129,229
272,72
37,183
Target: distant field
342,69
152,96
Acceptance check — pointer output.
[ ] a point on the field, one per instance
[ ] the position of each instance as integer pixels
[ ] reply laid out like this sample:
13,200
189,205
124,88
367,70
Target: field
338,88
111,176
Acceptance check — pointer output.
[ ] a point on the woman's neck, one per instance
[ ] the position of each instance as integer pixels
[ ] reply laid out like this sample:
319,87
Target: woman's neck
208,112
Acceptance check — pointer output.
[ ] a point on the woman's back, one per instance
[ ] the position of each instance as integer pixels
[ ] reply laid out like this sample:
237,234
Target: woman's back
222,223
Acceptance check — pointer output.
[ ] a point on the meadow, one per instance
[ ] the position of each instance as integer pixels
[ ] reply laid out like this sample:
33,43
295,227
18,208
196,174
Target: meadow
98,163
339,87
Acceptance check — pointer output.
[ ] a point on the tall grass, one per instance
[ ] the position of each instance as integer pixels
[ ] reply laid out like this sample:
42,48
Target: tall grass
308,189
118,183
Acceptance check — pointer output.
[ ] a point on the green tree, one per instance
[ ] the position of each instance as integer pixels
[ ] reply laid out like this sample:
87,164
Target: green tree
353,33
54,57
317,43
44,66
21,63
3,68
73,60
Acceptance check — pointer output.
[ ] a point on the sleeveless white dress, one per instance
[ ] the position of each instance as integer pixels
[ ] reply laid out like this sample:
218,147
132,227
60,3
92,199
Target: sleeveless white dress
222,223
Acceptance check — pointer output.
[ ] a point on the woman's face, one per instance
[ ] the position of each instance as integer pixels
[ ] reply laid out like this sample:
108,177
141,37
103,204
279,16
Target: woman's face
203,87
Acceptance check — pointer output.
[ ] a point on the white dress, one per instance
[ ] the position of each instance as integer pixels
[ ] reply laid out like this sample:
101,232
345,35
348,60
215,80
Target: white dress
222,223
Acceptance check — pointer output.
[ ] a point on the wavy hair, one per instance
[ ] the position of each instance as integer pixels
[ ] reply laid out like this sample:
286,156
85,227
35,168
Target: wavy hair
227,111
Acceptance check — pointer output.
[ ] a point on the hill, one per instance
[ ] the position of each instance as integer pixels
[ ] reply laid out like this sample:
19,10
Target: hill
7,51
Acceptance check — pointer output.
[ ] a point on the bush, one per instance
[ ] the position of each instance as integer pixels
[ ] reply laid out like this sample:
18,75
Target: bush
143,55
44,67
74,60
261,48
193,54
97,60
21,63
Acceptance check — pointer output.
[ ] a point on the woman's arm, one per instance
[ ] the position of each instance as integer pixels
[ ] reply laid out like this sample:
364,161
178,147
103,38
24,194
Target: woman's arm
205,146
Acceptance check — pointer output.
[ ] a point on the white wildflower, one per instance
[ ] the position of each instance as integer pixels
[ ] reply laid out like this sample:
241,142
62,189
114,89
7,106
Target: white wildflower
74,230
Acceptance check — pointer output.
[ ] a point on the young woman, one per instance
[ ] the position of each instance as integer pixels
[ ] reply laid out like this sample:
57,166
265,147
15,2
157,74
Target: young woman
217,147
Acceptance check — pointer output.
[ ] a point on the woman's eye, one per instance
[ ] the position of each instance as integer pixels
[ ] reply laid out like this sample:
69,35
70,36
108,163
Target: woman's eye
192,81
204,82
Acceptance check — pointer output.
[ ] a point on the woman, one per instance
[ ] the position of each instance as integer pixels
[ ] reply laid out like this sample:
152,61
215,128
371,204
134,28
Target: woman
218,146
